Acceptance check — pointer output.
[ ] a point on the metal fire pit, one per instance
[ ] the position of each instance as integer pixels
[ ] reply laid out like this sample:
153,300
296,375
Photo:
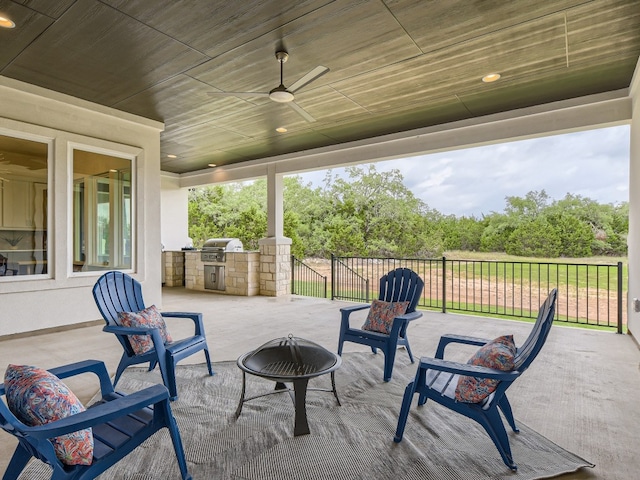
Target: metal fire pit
290,360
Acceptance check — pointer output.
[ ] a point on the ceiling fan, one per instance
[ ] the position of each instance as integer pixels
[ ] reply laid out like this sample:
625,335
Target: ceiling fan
282,94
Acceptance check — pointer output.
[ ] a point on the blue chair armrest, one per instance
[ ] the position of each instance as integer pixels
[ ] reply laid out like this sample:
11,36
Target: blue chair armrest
354,308
452,338
345,312
401,322
466,369
102,413
195,317
88,366
158,343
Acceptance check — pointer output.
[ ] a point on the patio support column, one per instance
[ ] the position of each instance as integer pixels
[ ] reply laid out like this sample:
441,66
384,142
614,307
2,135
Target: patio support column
275,249
633,240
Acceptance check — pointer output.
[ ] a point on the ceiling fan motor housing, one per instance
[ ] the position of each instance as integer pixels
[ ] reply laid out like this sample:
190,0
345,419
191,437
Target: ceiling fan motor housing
280,94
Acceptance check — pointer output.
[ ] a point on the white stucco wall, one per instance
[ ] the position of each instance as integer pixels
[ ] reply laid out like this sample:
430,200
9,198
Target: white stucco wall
62,297
633,317
175,214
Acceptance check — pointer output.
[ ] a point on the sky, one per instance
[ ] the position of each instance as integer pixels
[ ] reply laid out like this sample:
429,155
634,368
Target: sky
476,181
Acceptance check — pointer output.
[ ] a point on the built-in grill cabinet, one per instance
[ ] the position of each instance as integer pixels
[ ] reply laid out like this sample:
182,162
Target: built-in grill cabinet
215,250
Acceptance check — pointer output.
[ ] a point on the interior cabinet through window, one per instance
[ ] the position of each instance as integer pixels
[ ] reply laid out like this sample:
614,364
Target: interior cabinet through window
24,165
102,211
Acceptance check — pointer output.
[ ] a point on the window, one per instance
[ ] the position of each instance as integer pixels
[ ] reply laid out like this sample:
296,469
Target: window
102,212
23,207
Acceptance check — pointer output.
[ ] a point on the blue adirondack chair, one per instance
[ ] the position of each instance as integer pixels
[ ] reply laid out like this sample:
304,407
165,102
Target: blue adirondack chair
116,292
119,424
437,378
399,285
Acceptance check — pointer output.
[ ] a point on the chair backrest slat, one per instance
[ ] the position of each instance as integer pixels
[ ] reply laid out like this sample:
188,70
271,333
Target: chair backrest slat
116,292
536,339
401,285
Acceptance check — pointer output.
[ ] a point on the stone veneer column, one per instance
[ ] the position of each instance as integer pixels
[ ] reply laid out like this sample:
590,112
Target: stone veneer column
174,268
275,266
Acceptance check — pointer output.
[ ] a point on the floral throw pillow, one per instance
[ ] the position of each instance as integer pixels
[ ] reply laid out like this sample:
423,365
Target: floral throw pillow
497,354
37,397
150,317
381,315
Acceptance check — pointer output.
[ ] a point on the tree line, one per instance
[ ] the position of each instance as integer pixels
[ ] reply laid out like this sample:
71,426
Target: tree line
373,214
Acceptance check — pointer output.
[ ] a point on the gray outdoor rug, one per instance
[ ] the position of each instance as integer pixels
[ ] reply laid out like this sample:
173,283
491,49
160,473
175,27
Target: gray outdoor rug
354,441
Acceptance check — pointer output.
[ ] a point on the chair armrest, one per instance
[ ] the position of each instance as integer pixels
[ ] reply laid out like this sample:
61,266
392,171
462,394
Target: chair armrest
346,311
408,317
88,366
466,369
158,343
452,338
101,413
401,322
195,317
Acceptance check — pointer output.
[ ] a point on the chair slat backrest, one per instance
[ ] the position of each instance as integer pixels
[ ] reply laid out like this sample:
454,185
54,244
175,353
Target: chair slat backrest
116,292
401,285
536,339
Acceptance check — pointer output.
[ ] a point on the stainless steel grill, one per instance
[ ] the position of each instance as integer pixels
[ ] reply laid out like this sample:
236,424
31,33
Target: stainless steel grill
215,249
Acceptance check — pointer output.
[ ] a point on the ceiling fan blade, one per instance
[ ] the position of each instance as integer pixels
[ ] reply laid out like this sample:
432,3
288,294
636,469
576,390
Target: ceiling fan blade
240,94
301,111
308,78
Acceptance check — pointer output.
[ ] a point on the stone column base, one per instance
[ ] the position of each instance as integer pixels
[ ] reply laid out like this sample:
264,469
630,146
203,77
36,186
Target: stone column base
275,266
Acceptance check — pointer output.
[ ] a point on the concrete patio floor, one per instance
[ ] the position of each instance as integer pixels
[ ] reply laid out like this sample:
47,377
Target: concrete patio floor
581,392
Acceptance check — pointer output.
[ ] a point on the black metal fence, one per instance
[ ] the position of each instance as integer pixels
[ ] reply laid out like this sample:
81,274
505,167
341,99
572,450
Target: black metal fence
589,294
306,281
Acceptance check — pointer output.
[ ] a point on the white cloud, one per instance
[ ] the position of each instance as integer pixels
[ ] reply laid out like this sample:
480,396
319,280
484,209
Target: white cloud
475,181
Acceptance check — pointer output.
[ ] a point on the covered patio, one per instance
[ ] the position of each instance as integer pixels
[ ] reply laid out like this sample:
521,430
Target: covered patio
580,393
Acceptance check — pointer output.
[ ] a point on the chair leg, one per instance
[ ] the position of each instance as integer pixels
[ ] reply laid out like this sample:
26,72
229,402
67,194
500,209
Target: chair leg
171,380
168,372
177,441
122,366
374,350
505,406
152,365
206,355
406,345
492,423
404,411
389,359
18,461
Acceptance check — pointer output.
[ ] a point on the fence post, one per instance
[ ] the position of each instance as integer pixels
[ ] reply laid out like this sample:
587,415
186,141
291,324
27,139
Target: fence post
293,275
444,284
619,297
333,276
366,285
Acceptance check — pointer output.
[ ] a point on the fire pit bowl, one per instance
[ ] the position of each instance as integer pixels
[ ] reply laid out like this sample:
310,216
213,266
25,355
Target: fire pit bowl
290,360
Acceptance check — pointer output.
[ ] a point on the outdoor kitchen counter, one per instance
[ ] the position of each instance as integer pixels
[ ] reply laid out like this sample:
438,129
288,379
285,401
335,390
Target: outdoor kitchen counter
241,272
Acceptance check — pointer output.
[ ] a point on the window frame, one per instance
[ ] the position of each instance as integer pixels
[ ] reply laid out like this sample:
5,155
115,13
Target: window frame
72,221
47,227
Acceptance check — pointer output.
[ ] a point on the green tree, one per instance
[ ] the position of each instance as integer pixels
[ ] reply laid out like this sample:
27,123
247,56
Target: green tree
536,238
381,215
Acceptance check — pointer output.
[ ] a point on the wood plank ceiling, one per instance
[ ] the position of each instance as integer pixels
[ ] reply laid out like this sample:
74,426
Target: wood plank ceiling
394,64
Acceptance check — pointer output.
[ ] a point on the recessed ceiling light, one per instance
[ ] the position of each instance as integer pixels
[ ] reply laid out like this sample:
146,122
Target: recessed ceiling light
6,23
212,165
492,77
281,130
172,156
